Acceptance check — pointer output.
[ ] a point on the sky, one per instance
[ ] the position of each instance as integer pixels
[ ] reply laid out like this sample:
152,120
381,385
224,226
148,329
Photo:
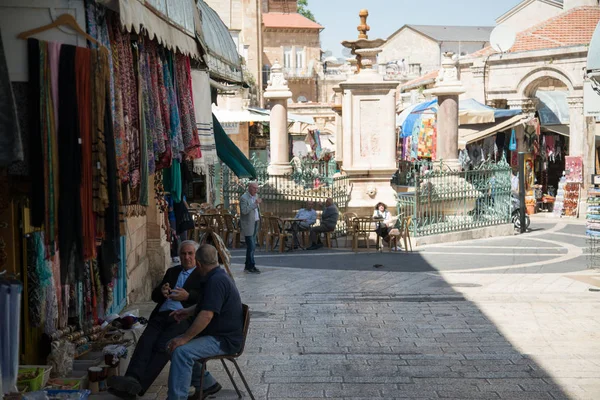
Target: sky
340,17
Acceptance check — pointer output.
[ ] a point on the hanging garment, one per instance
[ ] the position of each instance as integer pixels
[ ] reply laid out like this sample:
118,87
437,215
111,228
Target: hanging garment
148,106
476,154
165,157
189,131
204,122
11,142
490,150
172,181
69,209
83,67
512,145
550,148
36,155
177,147
464,159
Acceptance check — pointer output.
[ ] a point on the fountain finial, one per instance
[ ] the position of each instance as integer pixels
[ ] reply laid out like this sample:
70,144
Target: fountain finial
363,28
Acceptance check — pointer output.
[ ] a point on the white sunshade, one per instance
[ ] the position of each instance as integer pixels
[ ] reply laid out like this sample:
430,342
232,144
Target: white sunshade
238,115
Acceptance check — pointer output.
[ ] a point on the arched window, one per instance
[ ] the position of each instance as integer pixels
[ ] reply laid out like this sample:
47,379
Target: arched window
302,99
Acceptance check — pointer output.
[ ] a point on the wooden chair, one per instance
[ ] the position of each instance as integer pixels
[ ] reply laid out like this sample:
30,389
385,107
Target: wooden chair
231,358
329,238
231,230
348,217
276,232
263,232
363,226
220,206
401,231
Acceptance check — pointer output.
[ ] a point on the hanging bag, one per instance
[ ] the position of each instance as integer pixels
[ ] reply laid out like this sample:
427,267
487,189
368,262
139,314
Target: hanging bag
512,145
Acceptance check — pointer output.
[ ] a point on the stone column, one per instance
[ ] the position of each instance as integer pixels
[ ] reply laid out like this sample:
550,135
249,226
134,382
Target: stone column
339,131
447,88
582,138
279,93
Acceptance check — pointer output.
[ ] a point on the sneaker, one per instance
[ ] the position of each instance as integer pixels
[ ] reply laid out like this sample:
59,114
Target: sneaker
252,270
207,392
313,247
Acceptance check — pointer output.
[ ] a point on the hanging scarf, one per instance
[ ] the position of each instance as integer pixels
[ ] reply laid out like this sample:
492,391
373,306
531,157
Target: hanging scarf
132,119
204,122
189,131
157,97
36,155
165,157
177,146
148,108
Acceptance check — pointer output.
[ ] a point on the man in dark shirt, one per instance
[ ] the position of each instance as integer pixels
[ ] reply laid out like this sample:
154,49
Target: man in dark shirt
179,288
329,219
217,328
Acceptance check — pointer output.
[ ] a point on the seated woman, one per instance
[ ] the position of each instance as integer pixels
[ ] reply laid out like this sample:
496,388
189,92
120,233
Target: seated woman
384,225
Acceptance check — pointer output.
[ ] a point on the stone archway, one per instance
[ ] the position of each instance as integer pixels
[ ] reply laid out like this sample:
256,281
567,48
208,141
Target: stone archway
537,76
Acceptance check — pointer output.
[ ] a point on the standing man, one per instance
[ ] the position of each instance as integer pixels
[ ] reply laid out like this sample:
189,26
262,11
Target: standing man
249,220
329,219
180,287
217,328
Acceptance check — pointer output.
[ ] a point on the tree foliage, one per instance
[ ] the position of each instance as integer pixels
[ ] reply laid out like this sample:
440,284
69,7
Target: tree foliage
303,10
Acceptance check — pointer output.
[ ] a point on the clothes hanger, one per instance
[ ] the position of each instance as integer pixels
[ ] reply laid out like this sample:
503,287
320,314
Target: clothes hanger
64,19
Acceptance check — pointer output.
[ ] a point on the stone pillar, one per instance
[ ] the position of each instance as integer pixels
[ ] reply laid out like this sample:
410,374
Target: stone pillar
278,93
447,88
582,139
339,131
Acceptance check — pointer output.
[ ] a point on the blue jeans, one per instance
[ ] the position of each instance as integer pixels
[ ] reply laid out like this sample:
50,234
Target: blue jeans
185,369
251,247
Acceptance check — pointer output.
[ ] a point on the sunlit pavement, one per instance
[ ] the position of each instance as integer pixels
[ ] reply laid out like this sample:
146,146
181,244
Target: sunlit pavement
502,318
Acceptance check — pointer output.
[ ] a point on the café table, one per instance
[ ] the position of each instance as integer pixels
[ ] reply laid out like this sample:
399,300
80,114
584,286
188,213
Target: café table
294,227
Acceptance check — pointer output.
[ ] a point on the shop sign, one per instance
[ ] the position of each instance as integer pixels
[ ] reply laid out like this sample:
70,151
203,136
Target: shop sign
231,128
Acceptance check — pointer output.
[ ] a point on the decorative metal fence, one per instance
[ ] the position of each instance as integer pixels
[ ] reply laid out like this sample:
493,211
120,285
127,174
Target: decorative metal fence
284,195
441,200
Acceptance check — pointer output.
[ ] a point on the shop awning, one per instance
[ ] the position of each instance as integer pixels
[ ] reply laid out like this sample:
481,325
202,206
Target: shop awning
222,57
305,119
553,107
470,112
563,130
472,133
238,115
173,24
230,154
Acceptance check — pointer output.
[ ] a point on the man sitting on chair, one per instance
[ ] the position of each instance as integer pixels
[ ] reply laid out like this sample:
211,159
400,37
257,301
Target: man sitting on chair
308,214
329,220
179,288
217,328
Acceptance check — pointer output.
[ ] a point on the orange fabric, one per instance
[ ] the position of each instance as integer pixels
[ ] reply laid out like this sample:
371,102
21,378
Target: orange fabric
83,68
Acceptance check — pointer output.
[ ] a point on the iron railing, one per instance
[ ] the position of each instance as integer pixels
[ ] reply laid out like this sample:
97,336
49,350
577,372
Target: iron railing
284,195
440,200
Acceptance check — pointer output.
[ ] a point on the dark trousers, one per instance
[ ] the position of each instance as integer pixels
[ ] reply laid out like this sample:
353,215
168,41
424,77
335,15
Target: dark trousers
315,232
151,355
251,248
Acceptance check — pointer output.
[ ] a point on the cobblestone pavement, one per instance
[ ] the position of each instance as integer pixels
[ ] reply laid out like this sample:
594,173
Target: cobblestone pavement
504,318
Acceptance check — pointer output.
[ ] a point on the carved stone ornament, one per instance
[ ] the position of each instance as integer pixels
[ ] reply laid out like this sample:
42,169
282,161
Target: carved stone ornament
448,74
277,79
371,191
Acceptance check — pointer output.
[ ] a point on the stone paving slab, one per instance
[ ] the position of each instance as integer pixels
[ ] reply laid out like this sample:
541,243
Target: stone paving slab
349,334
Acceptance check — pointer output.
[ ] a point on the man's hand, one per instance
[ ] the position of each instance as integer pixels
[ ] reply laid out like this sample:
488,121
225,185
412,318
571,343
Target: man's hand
176,342
179,294
166,289
258,201
181,315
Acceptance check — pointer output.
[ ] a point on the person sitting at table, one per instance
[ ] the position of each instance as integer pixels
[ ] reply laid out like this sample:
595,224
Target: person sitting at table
309,216
329,219
384,218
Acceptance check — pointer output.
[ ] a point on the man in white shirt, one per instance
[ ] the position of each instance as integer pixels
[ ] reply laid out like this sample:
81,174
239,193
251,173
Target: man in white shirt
249,221
308,214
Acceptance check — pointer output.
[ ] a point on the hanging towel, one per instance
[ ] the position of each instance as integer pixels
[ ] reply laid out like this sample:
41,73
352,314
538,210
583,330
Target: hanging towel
203,111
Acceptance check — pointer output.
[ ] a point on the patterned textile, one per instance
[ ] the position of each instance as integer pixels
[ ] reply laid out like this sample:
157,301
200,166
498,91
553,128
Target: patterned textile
164,161
11,142
177,146
204,122
189,131
148,108
83,69
34,293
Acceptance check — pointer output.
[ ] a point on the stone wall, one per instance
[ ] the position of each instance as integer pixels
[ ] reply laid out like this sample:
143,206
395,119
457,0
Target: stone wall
415,48
306,87
275,39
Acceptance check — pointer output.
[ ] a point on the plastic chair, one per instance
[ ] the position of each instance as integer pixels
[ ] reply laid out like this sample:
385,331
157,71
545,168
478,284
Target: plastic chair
401,232
232,358
348,217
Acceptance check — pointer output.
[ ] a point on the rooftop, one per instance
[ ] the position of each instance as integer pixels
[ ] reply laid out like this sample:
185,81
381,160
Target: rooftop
570,28
291,20
443,33
421,81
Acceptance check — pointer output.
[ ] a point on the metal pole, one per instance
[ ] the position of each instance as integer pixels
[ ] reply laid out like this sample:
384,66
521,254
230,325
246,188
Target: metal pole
522,190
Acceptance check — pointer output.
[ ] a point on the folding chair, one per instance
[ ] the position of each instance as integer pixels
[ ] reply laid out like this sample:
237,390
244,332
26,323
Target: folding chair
232,358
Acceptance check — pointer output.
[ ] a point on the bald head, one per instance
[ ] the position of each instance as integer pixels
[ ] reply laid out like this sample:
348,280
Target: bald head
253,188
207,255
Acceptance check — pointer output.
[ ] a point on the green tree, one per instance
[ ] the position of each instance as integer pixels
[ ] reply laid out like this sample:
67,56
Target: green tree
303,10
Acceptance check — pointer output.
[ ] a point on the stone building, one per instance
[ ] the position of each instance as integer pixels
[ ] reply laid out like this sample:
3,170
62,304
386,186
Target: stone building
543,72
243,18
529,13
415,50
293,40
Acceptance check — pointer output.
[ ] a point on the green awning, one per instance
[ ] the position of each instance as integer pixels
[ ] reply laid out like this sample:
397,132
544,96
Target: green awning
230,154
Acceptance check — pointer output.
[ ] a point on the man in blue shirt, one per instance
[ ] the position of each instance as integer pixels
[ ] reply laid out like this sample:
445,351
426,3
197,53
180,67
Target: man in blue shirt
217,328
180,287
308,214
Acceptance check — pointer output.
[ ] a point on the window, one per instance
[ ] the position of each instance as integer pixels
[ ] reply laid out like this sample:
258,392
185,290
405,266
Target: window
287,57
302,99
300,59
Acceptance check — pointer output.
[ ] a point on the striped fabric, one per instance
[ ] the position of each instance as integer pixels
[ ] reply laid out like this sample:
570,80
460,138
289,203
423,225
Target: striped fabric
203,110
